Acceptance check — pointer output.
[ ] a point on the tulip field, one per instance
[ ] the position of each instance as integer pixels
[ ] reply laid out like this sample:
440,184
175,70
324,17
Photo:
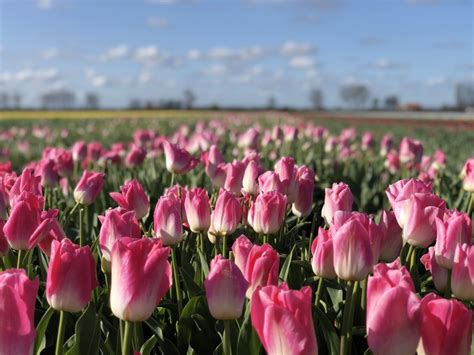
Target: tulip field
235,234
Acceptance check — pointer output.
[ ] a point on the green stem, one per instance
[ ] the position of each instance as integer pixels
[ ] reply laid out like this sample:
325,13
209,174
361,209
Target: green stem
127,338
73,210
61,331
177,285
470,205
226,345
447,292
18,260
319,291
172,179
224,246
82,232
348,318
265,238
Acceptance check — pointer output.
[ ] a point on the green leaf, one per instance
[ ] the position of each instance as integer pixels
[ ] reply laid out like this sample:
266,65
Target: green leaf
329,332
148,346
191,286
204,266
40,342
87,333
285,269
165,345
248,342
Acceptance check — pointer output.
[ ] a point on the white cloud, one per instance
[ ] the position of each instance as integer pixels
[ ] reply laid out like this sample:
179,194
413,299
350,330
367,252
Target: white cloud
50,53
30,75
302,62
96,79
236,55
291,48
44,4
194,54
217,70
147,53
117,52
169,2
437,81
145,78
151,55
157,22
386,64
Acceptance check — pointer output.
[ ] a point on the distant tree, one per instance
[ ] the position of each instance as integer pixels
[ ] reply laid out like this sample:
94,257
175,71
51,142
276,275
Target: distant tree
4,100
92,101
375,103
355,95
16,98
316,98
188,99
391,102
135,104
58,100
464,95
271,103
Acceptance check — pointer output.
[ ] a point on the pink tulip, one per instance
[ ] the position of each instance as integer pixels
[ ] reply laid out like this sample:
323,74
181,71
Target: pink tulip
178,161
214,166
249,182
270,181
283,320
241,249
17,311
4,247
198,209
286,170
393,311
416,210
25,217
455,229
446,326
89,187
391,237
386,144
26,182
71,276
356,241
462,278
261,267
48,230
439,273
322,261
337,198
267,213
392,162
411,151
167,223
116,224
47,170
234,176
136,156
79,151
132,197
227,214
225,289
249,139
467,174
367,141
303,204
141,276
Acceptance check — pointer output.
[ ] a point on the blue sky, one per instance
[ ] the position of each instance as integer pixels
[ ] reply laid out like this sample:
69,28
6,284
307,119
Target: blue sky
236,52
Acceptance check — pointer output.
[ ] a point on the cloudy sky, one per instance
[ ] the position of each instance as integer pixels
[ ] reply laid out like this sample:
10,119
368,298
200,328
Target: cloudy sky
234,52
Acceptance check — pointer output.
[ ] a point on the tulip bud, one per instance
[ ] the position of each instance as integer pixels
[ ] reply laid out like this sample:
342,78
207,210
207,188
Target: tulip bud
135,157
234,176
132,197
462,278
116,224
79,151
303,204
269,181
267,213
261,268
225,289
322,261
286,170
241,249
386,144
411,151
198,209
446,326
454,230
283,320
48,172
249,182
391,237
167,223
71,276
439,273
178,161
227,214
393,311
18,297
354,253
467,175
89,187
141,276
337,198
